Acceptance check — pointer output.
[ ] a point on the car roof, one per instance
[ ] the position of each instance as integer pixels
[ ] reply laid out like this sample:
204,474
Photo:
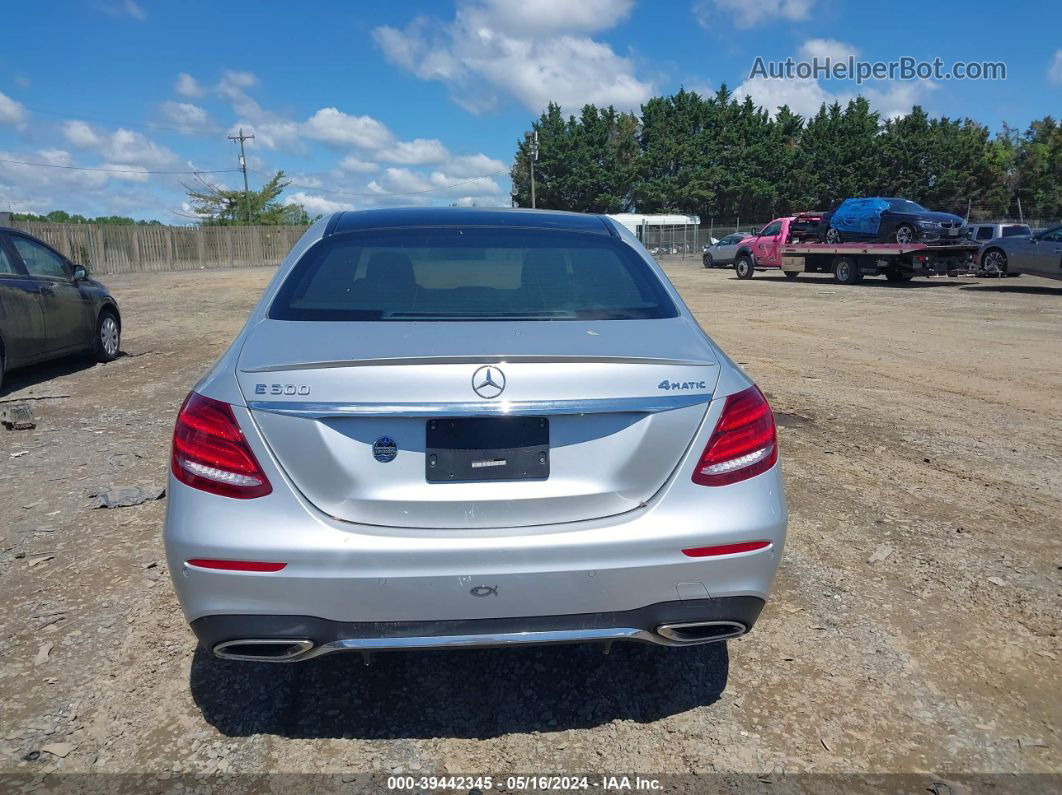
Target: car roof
404,217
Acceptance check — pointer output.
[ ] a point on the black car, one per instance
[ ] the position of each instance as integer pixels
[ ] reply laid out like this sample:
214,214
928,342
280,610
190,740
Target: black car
887,220
49,307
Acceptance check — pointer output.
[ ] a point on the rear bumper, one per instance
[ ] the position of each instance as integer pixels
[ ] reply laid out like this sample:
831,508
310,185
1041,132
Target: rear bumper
679,623
357,576
355,573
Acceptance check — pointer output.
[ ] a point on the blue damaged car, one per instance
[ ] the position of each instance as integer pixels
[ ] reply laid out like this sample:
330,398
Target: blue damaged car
885,220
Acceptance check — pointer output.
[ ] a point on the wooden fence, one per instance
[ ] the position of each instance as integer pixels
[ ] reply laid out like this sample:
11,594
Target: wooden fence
106,248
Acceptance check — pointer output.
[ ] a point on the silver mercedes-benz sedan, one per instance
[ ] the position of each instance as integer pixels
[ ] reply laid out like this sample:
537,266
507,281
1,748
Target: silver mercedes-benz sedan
452,427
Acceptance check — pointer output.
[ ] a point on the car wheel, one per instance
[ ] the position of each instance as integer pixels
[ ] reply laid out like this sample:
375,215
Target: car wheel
904,234
743,267
994,263
832,235
108,339
708,261
846,271
791,275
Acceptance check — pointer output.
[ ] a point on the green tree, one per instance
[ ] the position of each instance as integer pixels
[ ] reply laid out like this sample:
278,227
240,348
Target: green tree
943,163
218,206
720,158
1038,164
587,164
63,217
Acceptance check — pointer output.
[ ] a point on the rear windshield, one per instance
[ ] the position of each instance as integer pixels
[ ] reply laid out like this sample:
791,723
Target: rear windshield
905,206
471,274
1016,230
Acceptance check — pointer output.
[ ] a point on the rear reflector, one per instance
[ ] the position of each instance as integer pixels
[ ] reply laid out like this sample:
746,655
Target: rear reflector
743,444
725,549
210,452
235,565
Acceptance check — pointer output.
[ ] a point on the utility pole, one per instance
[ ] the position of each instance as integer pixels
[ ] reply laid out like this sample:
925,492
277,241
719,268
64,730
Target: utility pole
243,167
534,157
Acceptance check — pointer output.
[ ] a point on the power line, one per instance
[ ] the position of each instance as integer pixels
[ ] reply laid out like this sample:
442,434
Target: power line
243,167
189,128
401,193
119,170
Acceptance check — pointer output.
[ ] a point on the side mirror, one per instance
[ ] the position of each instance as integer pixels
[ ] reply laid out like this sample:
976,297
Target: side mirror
80,274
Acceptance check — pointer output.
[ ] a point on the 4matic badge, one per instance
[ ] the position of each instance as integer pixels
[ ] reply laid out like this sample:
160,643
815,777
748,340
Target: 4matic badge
669,385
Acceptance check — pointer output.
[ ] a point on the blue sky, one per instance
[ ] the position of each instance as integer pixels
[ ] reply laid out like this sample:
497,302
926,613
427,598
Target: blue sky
369,104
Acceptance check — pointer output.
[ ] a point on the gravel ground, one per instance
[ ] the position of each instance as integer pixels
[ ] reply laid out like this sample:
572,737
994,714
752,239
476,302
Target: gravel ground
914,626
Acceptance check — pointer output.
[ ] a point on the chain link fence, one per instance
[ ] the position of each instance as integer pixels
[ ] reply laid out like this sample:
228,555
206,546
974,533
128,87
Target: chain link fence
690,240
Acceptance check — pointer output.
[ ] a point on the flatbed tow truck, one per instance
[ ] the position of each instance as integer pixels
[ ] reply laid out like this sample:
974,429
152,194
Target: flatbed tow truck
788,244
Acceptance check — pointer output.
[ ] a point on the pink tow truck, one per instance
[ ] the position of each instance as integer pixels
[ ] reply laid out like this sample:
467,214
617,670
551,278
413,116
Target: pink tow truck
790,245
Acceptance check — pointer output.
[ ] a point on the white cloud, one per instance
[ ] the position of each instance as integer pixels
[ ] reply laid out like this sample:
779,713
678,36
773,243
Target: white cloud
437,185
121,146
543,16
188,118
317,205
826,48
802,96
306,181
232,87
355,165
278,134
11,111
896,98
400,180
81,135
529,51
890,98
335,127
418,152
234,81
482,185
29,187
480,201
749,13
1054,72
188,86
127,172
124,8
476,165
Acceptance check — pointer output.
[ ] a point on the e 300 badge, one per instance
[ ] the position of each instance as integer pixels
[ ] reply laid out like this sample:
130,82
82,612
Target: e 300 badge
282,389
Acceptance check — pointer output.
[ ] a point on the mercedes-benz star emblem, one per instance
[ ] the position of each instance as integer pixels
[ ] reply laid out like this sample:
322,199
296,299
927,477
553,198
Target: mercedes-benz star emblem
488,382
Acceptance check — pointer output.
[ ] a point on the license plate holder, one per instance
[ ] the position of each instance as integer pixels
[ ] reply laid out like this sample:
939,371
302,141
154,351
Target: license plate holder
464,449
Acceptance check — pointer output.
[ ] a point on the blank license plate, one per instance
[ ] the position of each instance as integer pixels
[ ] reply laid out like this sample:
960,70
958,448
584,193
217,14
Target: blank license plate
486,448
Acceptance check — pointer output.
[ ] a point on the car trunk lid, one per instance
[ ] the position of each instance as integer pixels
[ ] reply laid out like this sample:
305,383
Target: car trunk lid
619,413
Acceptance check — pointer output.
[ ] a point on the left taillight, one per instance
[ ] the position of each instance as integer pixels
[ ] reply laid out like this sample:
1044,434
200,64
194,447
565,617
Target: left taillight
211,453
743,444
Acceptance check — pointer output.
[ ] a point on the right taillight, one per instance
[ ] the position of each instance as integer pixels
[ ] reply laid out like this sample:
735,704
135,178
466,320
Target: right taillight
743,444
210,452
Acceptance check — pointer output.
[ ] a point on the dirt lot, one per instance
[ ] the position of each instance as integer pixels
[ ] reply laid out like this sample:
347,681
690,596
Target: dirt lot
915,624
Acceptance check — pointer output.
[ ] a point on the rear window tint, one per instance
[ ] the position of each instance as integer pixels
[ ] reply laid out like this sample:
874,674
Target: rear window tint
1016,230
471,274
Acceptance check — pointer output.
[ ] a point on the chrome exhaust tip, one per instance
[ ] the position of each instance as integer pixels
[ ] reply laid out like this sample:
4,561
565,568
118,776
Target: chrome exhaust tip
263,650
691,632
